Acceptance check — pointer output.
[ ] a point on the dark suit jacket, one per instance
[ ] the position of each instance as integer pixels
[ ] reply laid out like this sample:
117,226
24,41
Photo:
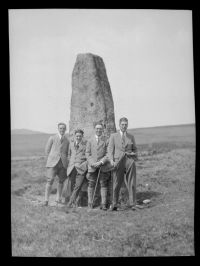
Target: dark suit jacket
77,158
115,148
97,152
55,150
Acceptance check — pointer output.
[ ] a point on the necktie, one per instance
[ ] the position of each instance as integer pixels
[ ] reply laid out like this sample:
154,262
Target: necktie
97,140
77,146
61,139
123,139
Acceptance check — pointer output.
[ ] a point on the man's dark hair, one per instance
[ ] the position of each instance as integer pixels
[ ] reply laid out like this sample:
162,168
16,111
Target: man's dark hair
99,123
123,119
61,123
78,130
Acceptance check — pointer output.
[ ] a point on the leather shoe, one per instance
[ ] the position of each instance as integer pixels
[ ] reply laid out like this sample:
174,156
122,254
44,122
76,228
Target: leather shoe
139,207
103,207
136,207
45,203
133,208
113,208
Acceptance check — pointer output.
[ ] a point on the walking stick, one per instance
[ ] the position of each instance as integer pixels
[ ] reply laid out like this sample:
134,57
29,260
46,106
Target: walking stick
96,185
111,189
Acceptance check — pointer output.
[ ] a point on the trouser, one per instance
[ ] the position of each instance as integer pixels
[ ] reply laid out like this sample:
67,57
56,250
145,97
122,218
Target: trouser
77,181
103,180
110,190
125,172
59,171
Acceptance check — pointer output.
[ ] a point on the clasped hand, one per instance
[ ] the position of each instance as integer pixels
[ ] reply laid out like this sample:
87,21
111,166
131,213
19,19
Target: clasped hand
113,164
96,165
130,153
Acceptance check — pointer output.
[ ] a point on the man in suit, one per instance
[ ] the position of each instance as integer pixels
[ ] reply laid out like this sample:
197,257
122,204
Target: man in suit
122,152
96,154
57,152
77,167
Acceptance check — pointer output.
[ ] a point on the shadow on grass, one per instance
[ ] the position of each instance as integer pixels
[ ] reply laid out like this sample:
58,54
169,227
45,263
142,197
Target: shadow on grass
123,198
147,195
20,192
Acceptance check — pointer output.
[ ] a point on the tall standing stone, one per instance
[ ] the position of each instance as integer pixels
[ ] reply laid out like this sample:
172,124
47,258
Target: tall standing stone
91,98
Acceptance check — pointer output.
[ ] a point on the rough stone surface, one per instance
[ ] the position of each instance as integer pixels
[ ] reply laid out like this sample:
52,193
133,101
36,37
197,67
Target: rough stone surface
91,98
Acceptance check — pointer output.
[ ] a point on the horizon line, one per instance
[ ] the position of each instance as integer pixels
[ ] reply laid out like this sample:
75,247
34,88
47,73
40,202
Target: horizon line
171,125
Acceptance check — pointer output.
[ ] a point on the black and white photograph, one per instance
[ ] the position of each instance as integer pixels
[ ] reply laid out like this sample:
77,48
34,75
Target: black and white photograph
103,134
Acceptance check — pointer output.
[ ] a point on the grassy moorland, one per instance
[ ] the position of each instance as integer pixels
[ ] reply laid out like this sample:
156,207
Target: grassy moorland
164,228
33,144
28,145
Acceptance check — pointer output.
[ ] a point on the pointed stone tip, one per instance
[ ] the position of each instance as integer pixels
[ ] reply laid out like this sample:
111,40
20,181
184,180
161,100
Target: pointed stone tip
83,55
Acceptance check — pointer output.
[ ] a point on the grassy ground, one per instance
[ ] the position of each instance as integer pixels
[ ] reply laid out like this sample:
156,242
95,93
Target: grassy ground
164,228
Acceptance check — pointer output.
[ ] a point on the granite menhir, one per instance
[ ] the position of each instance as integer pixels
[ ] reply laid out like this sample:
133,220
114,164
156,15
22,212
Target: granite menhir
91,98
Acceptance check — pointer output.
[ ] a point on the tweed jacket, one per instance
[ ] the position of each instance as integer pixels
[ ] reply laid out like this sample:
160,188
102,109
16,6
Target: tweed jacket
55,150
115,148
77,157
97,152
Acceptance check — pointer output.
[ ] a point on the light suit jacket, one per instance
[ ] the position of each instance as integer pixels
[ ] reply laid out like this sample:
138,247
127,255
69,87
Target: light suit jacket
55,150
115,148
77,158
97,152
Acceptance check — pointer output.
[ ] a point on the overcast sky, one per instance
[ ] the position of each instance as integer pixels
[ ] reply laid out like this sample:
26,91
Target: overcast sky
148,55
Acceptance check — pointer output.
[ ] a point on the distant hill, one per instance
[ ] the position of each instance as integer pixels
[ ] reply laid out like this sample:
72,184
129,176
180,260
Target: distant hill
25,132
32,143
165,126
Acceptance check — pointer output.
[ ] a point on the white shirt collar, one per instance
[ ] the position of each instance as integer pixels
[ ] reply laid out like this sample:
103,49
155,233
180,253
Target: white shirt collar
98,137
121,133
76,142
60,135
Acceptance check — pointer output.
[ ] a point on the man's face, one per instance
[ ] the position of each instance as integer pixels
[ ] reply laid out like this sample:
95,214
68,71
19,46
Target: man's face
78,137
99,130
62,129
123,126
